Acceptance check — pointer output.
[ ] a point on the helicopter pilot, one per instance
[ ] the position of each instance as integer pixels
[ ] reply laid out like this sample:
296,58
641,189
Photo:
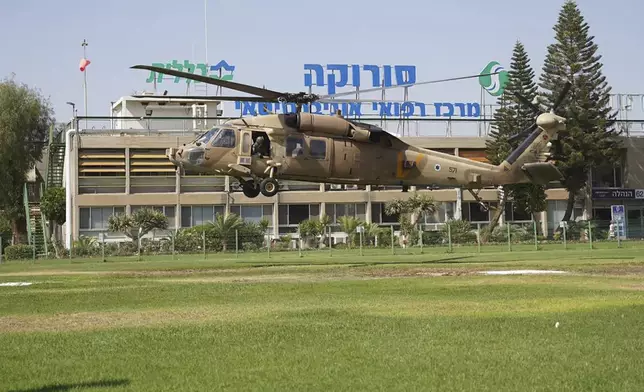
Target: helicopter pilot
260,147
297,151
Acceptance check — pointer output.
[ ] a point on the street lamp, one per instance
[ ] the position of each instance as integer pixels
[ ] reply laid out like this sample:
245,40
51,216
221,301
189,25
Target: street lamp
73,105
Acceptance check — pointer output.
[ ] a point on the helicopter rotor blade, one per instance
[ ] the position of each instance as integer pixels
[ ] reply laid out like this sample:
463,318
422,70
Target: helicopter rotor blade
262,92
406,85
561,96
523,133
208,98
537,111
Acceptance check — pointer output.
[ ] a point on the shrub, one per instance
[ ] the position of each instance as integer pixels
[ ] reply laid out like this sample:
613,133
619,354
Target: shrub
5,230
432,238
249,247
86,246
19,252
517,234
460,231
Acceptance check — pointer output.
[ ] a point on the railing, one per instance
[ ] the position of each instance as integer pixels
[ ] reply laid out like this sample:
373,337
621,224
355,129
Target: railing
404,127
25,201
43,222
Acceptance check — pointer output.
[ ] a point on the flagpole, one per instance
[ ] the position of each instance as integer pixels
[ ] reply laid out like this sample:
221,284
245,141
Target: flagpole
84,45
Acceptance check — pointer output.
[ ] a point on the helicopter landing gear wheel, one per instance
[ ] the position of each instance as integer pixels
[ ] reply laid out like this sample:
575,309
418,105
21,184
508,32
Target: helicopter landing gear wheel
250,189
269,187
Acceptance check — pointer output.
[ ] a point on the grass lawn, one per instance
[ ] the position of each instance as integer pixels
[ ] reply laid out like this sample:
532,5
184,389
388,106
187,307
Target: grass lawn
339,321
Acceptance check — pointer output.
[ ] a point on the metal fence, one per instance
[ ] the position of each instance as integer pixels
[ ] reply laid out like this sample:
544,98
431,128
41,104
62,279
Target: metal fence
453,237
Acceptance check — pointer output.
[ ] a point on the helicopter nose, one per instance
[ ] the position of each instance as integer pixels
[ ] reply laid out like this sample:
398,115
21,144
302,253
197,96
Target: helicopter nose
174,155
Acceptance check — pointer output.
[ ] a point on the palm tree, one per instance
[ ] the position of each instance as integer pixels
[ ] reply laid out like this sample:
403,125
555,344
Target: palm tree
349,225
224,227
372,231
325,221
410,210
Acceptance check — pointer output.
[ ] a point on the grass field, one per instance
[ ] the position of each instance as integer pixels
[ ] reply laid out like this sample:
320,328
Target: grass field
432,321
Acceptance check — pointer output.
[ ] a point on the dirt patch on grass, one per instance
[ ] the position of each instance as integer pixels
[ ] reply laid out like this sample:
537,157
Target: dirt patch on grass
109,320
50,272
294,278
131,273
618,269
409,272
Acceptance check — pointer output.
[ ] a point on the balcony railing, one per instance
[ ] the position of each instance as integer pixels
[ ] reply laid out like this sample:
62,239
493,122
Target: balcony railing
403,127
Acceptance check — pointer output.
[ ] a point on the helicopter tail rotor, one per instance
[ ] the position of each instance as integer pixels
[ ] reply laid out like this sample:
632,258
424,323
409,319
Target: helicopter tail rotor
537,111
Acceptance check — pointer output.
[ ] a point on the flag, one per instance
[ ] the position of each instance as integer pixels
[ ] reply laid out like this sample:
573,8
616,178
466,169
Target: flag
83,64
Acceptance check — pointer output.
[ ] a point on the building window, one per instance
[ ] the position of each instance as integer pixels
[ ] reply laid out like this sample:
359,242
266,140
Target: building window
515,215
336,211
293,214
556,212
225,138
254,213
444,211
168,211
199,215
379,216
474,212
96,218
607,177
318,149
294,146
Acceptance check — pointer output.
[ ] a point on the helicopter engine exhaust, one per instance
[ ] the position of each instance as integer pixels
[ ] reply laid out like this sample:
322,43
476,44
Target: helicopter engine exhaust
325,125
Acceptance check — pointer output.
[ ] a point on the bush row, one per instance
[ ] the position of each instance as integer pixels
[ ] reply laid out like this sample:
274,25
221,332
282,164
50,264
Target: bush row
250,237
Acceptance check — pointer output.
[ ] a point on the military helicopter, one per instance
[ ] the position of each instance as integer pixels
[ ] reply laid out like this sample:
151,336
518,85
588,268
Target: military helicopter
259,151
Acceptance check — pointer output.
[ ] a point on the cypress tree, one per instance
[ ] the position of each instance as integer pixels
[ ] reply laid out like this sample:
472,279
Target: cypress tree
511,118
590,138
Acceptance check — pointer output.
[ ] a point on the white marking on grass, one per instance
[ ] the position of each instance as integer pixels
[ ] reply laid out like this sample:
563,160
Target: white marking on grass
523,272
16,284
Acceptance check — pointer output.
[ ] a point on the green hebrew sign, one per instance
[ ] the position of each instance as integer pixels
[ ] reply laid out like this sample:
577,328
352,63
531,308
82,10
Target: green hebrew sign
203,69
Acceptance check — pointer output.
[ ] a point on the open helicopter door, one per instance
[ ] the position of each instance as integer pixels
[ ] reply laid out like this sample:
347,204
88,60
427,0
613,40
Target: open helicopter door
245,146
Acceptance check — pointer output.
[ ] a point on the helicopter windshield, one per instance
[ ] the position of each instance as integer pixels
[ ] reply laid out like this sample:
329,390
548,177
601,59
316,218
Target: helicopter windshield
206,136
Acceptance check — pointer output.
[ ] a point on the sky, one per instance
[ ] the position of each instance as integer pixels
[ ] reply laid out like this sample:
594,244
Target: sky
269,42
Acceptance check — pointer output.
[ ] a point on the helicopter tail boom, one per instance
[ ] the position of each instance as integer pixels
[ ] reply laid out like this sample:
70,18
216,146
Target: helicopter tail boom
528,162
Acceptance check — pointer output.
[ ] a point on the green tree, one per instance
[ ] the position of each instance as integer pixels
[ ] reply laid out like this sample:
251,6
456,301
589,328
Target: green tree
590,138
325,221
5,230
224,227
309,229
349,224
52,204
25,119
512,117
138,224
410,211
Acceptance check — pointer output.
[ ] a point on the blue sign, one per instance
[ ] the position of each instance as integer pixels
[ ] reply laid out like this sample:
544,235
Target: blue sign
390,109
618,216
337,75
334,76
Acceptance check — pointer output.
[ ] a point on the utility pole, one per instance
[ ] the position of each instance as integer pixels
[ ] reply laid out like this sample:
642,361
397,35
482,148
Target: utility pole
205,18
84,45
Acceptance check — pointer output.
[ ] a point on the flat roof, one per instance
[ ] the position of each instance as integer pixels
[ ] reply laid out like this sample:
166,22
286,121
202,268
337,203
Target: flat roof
161,98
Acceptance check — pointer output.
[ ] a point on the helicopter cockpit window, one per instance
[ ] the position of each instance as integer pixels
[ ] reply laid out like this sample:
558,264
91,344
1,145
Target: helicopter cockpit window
294,146
205,138
246,143
224,138
318,149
